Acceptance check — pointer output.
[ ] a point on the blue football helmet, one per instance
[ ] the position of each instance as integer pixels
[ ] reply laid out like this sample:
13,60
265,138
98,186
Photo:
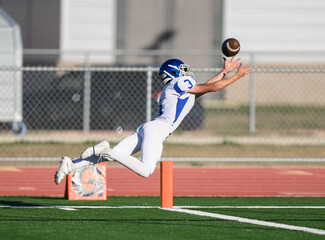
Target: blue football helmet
172,68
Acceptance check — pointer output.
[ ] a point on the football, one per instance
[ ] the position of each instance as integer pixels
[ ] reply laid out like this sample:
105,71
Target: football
230,47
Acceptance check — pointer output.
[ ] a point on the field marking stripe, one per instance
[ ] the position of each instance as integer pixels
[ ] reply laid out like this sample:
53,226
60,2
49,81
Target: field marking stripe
257,207
79,207
246,220
67,208
176,207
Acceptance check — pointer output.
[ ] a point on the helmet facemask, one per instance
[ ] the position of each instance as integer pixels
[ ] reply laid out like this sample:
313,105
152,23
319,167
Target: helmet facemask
185,69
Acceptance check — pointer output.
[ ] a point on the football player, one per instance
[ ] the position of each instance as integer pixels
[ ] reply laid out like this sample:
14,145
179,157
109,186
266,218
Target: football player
176,100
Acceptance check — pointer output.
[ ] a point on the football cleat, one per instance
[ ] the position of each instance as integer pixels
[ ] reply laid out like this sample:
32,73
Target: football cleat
105,154
95,150
64,169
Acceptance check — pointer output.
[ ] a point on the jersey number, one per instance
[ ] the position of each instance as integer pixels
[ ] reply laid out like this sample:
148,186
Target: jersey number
191,85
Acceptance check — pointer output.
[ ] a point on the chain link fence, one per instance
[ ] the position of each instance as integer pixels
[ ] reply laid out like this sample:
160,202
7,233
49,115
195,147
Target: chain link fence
276,111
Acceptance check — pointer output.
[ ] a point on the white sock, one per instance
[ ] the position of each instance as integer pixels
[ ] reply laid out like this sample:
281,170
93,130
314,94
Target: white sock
131,163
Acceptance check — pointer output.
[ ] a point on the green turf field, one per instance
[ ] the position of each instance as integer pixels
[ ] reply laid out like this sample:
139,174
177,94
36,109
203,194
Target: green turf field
57,218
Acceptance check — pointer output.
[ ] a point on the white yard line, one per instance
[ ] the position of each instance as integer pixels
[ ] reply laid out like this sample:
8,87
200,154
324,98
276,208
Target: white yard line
67,208
80,207
175,207
246,220
253,207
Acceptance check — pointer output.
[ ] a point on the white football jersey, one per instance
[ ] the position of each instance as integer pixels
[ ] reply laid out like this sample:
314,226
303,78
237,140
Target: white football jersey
175,102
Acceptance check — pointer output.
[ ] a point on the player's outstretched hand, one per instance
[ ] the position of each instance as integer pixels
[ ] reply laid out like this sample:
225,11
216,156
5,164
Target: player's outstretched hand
231,65
242,71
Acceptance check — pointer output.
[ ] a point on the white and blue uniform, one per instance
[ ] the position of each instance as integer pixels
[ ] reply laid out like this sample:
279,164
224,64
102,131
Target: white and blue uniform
174,104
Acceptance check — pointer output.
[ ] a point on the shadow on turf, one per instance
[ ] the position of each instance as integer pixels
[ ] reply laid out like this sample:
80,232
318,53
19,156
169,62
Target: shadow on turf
26,203
17,203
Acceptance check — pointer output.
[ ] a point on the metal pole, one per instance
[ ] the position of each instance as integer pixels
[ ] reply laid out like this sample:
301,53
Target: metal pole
149,94
252,101
87,96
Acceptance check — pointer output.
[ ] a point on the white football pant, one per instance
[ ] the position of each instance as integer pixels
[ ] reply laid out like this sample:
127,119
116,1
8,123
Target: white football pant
149,139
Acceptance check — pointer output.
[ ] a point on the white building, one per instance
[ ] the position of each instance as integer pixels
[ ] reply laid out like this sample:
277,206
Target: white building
10,81
105,25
